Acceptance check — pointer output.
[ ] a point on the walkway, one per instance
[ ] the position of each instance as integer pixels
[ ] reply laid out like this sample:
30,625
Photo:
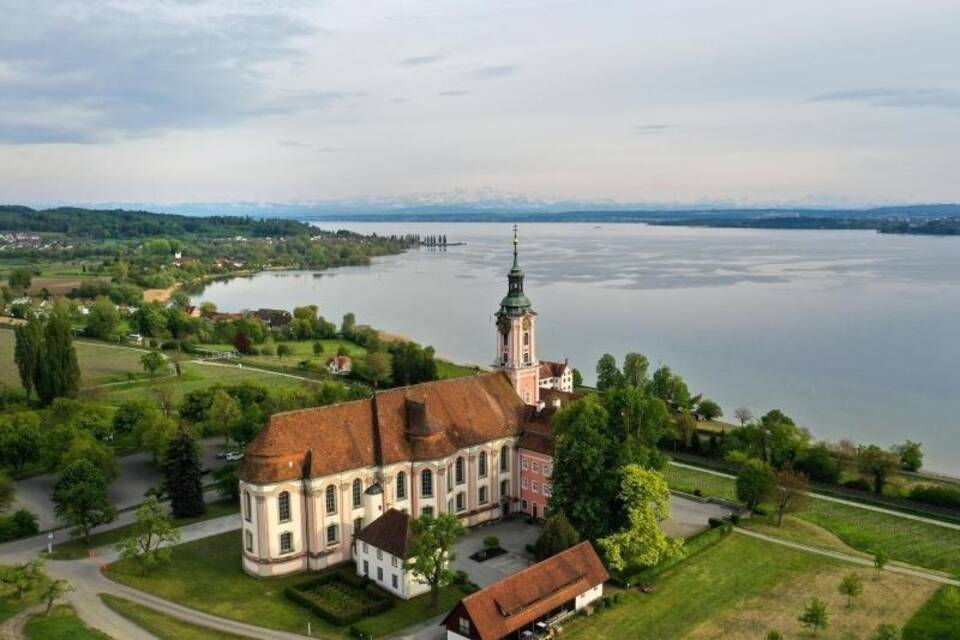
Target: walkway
903,569
849,503
207,363
12,628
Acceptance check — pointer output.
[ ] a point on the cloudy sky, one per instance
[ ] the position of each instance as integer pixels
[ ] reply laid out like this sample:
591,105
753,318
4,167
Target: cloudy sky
673,101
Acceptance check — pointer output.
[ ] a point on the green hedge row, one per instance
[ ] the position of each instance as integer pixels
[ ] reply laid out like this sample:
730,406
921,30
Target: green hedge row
384,600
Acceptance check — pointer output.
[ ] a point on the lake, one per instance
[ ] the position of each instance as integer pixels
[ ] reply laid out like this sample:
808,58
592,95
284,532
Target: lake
852,333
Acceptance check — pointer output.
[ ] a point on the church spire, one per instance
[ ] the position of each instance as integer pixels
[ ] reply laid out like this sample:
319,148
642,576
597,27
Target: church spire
516,302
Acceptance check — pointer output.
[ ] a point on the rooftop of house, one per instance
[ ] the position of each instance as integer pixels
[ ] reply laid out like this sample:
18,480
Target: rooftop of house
518,600
390,532
550,369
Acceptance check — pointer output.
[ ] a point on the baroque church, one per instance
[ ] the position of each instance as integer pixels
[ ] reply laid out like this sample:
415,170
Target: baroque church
321,486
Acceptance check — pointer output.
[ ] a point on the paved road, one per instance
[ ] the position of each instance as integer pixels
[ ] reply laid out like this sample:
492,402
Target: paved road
851,503
866,562
689,517
137,474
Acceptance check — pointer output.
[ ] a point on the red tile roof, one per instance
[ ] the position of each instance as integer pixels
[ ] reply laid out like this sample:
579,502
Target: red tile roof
549,369
420,422
513,603
390,532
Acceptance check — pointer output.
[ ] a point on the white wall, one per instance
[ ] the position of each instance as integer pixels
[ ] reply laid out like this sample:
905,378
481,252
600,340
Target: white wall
588,596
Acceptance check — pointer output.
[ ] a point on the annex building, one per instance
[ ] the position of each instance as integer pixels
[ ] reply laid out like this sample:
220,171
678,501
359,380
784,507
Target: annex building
314,481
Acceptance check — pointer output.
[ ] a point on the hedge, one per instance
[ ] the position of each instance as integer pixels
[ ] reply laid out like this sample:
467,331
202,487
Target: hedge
384,600
936,496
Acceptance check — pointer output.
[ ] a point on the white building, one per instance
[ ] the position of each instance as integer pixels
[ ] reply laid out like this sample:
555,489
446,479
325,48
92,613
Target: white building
382,551
556,375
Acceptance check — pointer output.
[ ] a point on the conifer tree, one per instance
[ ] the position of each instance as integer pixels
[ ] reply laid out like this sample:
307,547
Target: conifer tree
183,477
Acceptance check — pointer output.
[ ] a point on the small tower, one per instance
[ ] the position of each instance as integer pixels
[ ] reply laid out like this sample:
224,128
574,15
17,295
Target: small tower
516,352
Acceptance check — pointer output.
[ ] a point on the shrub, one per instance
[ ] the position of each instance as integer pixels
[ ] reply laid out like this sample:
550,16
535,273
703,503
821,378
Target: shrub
491,541
21,524
714,522
460,577
859,484
698,493
169,345
734,518
267,350
469,587
153,343
253,351
936,496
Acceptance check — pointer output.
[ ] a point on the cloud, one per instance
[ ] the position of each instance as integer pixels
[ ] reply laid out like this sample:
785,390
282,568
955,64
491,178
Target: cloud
419,61
895,97
297,144
136,70
651,128
453,92
494,71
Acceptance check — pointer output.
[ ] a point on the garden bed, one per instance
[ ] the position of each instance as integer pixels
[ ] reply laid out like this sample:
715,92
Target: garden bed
487,554
340,597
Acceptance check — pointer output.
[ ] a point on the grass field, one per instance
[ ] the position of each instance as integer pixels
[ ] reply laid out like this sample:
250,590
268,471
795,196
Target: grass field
938,619
61,624
207,575
98,363
195,376
911,541
447,369
742,588
76,548
163,626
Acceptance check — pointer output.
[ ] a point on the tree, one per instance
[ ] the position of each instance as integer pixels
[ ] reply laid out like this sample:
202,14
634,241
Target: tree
789,492
154,432
851,586
103,319
85,447
557,535
743,415
28,352
754,483
130,413
283,349
582,458
814,616
19,439
152,362
911,455
376,368
646,501
224,414
577,379
709,409
878,464
80,498
432,551
225,479
635,368
880,559
317,348
348,325
818,464
8,491
183,478
24,576
151,537
608,375
241,342
20,279
886,632
55,590
59,372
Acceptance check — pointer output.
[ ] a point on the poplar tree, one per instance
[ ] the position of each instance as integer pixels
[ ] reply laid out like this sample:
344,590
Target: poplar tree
59,372
28,350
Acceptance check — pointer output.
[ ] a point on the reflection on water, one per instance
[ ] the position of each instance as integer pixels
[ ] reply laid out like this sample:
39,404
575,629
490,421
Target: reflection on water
852,333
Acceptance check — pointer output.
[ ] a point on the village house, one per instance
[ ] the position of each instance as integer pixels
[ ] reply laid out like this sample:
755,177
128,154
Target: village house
532,599
312,480
382,551
556,375
340,365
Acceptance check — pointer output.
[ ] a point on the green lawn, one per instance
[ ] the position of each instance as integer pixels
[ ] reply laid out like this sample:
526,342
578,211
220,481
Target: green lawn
734,570
447,369
161,625
195,376
207,575
938,619
918,543
98,363
74,549
61,624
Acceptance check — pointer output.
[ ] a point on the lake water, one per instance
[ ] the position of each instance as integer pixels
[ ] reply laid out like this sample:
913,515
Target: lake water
852,333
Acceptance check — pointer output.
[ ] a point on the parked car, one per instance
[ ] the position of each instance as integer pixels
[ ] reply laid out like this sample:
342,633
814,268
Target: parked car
234,456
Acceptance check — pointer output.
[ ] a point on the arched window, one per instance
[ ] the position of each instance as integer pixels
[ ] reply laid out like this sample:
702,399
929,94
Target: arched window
459,470
504,458
426,483
482,464
331,499
401,486
247,507
283,506
357,493
526,338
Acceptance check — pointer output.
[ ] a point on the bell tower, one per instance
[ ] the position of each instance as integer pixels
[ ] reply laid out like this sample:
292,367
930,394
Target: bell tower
516,352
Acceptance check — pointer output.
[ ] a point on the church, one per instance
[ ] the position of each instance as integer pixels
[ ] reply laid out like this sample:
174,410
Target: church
314,480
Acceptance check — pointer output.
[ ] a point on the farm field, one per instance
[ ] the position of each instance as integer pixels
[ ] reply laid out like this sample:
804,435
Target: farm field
742,588
99,363
919,543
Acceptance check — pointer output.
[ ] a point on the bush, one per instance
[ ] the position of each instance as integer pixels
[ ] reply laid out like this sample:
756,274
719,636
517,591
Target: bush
698,493
153,343
859,484
21,524
469,587
460,577
734,518
714,522
253,351
491,541
169,345
936,496
267,350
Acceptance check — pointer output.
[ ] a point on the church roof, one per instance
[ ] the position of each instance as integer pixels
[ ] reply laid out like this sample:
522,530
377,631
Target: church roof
420,422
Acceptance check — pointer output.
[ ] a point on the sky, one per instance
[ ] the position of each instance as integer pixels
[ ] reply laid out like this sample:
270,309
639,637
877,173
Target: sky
742,102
